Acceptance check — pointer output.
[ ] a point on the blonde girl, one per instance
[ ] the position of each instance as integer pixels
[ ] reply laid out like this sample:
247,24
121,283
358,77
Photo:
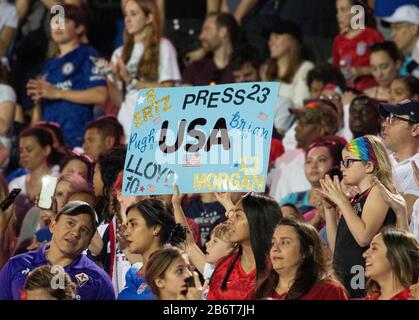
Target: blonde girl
352,223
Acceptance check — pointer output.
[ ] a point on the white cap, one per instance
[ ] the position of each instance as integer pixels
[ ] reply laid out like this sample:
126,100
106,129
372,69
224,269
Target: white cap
407,13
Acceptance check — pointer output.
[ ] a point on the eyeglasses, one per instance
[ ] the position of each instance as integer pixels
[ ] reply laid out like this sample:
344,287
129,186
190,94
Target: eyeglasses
392,116
346,163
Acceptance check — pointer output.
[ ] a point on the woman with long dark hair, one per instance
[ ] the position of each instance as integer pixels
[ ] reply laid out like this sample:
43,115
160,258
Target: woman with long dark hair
298,267
251,224
150,226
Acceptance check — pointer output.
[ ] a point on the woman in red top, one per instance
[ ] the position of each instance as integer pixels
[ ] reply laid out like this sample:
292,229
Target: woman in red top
351,47
298,267
251,223
391,265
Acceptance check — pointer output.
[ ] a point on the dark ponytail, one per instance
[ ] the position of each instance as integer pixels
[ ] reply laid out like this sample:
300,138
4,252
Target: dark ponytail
156,213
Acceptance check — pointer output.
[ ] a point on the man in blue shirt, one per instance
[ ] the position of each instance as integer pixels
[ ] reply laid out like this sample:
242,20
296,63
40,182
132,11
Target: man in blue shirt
71,84
72,231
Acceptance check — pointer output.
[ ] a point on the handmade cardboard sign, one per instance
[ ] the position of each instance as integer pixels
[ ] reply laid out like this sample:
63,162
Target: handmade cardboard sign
205,139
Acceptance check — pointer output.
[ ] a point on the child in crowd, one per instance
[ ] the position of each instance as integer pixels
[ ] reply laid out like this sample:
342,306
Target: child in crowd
38,284
167,272
363,216
217,247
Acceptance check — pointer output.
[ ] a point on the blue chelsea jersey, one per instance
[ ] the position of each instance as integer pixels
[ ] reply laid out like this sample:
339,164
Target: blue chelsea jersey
74,71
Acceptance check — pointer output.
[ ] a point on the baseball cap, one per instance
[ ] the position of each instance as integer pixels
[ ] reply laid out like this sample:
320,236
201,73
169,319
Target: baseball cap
406,13
316,111
74,208
285,27
405,108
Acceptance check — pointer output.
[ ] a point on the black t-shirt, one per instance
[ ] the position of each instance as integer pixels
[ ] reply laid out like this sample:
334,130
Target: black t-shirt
204,72
204,215
347,252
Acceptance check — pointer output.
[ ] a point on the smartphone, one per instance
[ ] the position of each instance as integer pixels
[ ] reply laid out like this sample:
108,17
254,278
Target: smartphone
47,192
6,203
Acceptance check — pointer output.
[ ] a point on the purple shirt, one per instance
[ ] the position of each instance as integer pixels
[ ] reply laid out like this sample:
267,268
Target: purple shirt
92,282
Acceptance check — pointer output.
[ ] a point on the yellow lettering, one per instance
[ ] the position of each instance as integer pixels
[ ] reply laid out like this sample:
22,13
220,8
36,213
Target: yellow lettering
200,183
258,180
212,181
245,183
234,182
223,181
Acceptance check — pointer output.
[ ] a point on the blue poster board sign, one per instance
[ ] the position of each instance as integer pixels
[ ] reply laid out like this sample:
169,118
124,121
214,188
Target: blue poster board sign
205,139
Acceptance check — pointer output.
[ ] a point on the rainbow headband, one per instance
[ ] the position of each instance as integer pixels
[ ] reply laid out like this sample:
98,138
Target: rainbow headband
362,149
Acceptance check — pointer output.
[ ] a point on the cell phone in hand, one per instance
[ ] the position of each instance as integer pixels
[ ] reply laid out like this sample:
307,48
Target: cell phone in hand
6,203
47,192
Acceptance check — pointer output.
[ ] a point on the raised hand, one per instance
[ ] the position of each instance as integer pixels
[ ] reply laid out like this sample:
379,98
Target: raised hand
225,199
177,196
392,197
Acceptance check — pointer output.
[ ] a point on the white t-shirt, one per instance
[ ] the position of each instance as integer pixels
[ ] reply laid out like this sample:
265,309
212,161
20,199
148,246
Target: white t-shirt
168,71
414,223
346,131
403,175
297,90
8,15
283,117
121,264
288,175
208,271
7,94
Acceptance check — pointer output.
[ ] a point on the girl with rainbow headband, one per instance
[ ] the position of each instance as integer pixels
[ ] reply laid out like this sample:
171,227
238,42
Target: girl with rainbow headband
352,223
